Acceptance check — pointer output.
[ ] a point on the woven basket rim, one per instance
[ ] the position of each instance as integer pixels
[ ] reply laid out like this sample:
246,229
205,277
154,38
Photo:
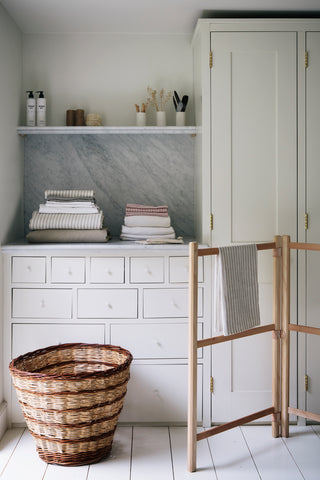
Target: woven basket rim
78,376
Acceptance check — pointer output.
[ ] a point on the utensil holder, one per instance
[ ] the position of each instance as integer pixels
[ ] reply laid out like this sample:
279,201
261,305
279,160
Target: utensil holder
141,119
180,119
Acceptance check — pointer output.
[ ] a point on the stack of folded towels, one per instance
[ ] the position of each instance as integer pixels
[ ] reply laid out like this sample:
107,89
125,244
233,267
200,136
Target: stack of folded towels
68,216
143,222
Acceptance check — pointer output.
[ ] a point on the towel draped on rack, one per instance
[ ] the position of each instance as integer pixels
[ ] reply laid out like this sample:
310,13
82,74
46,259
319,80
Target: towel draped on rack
236,292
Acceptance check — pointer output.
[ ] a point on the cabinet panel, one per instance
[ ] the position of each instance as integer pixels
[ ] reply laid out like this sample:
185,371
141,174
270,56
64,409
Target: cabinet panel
107,303
158,393
147,270
154,340
28,270
168,302
67,270
179,269
41,303
106,270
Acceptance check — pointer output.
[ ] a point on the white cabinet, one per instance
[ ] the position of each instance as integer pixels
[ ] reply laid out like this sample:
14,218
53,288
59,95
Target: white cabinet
310,261
246,93
133,297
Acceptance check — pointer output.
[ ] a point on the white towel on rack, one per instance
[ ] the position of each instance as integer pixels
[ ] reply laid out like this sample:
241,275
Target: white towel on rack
236,291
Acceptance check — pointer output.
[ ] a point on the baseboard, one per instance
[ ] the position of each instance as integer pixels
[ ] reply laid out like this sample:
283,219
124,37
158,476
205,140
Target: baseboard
3,418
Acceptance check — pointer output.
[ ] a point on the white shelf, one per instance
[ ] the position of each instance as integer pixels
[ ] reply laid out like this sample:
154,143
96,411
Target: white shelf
105,130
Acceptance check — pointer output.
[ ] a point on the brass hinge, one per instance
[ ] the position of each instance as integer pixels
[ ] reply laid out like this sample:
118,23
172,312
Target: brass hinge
210,60
306,59
211,384
306,383
306,221
211,221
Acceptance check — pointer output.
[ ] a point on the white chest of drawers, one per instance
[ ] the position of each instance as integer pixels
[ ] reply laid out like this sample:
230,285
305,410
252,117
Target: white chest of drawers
120,293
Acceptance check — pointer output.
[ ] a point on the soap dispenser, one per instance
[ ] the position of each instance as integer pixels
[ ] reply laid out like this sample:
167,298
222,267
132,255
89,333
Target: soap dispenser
31,109
41,109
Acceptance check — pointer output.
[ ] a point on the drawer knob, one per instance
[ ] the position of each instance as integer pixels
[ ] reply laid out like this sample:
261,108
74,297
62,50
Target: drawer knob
42,303
148,271
174,304
109,272
29,268
109,305
158,343
69,271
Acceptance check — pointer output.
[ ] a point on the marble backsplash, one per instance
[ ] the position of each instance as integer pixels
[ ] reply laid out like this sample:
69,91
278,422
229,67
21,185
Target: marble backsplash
121,168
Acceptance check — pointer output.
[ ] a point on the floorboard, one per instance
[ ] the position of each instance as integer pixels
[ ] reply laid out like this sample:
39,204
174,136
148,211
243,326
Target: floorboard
118,465
25,463
270,455
7,445
205,469
151,456
231,456
305,450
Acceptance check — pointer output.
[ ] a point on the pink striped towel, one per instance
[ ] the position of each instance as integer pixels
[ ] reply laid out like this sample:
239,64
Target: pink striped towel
134,209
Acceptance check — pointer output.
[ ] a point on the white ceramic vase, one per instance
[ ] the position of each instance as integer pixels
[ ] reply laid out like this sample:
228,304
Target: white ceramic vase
180,119
161,119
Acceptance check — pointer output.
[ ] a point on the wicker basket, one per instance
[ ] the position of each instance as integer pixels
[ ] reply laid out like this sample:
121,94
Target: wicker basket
71,396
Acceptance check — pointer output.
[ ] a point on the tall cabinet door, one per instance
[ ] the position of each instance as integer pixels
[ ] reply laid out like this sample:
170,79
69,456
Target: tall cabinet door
313,209
254,162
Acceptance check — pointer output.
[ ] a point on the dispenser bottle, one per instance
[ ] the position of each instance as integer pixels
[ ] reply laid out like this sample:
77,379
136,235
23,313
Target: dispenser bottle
41,109
31,109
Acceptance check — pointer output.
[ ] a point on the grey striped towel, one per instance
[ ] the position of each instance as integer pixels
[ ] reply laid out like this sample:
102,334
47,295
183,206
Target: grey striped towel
236,291
78,194
73,221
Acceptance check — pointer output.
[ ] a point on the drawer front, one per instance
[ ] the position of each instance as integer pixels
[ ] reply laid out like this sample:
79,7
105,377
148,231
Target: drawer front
28,269
159,393
154,340
107,303
147,270
29,337
67,270
179,269
106,270
41,303
168,302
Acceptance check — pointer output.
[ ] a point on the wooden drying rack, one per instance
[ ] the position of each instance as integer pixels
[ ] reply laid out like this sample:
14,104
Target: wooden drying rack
280,338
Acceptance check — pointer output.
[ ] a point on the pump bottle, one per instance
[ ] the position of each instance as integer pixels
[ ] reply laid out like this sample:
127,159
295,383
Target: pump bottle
41,109
31,109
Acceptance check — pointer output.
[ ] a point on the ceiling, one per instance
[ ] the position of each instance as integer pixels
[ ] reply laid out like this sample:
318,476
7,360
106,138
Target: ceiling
141,16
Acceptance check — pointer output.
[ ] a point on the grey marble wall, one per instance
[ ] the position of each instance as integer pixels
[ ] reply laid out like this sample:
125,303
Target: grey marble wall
146,169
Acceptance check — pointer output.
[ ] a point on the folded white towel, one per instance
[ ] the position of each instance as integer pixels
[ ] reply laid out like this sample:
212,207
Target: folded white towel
147,221
236,292
44,208
146,231
144,237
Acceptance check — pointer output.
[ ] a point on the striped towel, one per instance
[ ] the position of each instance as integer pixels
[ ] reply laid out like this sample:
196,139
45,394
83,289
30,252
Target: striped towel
74,221
135,209
236,292
146,231
77,194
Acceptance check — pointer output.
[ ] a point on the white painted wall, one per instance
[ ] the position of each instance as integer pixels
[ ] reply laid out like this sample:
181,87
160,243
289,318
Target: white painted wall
11,153
106,73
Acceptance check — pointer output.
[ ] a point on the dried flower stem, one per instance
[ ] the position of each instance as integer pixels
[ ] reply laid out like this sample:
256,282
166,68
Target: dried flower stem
158,101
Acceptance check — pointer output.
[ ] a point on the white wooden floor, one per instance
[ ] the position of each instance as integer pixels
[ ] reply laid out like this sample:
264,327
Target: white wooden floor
159,453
